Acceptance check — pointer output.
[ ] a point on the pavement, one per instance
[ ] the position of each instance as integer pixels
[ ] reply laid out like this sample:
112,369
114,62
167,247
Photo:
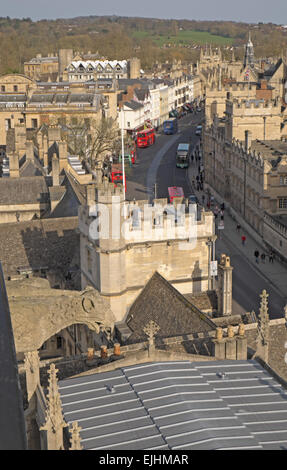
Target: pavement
275,274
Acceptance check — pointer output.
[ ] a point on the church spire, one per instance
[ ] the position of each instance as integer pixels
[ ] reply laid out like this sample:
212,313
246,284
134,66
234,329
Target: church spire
249,53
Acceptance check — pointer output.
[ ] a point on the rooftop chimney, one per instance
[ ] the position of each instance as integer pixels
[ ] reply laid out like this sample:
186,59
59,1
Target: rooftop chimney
247,140
29,150
55,170
14,165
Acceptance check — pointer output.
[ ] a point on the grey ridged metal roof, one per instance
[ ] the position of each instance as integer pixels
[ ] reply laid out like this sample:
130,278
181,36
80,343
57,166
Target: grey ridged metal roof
178,405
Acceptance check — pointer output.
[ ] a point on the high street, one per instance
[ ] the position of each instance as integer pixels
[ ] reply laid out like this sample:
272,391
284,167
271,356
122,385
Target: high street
156,164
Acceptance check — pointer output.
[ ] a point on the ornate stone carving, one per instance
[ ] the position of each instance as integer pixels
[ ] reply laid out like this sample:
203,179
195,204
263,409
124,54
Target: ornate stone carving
44,312
151,330
75,437
54,422
32,367
263,328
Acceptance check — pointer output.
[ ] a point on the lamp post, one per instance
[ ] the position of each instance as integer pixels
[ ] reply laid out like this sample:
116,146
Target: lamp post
123,151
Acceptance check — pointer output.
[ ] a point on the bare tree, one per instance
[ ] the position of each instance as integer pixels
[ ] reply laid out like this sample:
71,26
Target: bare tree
93,140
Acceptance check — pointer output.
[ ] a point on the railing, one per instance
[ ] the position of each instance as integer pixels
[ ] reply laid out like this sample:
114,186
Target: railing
276,225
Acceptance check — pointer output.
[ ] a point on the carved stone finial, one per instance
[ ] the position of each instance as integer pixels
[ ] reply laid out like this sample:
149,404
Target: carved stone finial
219,334
54,422
75,439
263,328
230,331
151,330
241,329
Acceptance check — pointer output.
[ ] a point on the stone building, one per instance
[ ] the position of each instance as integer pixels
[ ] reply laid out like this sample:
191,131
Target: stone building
25,101
111,264
249,172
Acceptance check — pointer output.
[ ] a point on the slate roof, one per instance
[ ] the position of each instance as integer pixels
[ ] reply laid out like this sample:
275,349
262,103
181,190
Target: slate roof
13,98
161,302
178,405
26,190
31,168
41,98
132,104
81,98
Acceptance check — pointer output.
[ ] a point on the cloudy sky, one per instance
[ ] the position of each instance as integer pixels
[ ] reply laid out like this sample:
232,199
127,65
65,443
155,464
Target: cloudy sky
250,11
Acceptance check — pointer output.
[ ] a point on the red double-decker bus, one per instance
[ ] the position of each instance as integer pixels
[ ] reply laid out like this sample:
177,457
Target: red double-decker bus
175,191
116,174
145,138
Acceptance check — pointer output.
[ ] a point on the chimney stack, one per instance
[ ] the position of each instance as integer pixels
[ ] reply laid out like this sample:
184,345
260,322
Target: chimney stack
55,170
247,140
104,353
29,150
63,154
117,349
14,165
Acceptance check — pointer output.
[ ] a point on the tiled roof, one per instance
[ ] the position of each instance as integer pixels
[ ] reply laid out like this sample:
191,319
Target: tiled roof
178,405
132,104
161,302
26,190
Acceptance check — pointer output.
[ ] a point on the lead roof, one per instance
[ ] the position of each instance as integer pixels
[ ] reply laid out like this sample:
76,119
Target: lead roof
178,405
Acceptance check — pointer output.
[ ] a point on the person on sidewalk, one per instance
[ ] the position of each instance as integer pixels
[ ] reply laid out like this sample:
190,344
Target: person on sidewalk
238,227
271,256
243,240
203,199
256,254
263,257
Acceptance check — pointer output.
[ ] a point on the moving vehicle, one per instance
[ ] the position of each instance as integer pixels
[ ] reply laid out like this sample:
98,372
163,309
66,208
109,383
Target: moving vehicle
198,130
116,174
175,192
170,126
128,159
192,199
183,156
145,138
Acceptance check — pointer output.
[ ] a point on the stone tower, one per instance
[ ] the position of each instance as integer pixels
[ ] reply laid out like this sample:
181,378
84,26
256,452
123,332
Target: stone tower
249,53
65,58
134,66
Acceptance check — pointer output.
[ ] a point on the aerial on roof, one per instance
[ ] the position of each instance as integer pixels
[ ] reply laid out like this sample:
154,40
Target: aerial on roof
178,405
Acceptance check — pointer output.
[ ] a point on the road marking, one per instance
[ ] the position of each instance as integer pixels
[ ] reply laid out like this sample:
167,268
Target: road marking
152,172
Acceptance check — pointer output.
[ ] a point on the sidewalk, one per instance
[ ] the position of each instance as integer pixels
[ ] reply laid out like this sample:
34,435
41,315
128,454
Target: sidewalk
275,273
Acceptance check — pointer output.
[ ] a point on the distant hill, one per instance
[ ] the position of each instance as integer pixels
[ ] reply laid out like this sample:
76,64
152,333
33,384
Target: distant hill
120,37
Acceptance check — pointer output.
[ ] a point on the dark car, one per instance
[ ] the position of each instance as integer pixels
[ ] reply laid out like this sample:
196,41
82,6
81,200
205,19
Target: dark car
192,199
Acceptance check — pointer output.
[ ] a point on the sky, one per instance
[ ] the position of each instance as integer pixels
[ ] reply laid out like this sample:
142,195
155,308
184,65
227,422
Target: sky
248,11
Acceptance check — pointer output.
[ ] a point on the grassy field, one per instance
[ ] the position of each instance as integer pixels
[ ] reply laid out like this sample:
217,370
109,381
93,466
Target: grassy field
185,37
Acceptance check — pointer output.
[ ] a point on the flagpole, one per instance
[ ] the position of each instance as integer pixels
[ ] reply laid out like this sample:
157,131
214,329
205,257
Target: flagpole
123,152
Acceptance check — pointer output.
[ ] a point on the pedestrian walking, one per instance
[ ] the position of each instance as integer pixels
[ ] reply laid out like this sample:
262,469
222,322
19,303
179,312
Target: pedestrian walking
238,227
271,256
243,240
256,254
263,257
222,206
203,199
197,187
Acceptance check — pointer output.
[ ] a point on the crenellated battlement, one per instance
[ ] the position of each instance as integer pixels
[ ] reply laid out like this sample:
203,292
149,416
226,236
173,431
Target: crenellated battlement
272,105
232,87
